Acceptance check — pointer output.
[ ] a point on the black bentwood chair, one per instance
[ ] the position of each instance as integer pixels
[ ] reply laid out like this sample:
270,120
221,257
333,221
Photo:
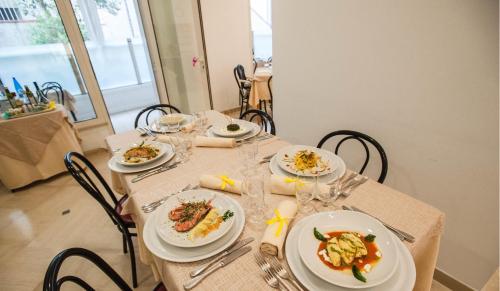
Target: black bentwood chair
162,109
76,163
244,86
51,283
362,138
269,81
261,118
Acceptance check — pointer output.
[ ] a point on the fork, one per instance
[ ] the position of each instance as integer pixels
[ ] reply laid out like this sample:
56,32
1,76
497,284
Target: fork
153,205
266,267
282,272
272,281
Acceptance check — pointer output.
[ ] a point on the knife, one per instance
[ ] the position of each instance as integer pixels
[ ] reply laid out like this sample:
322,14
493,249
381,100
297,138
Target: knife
407,236
191,283
137,179
228,251
166,165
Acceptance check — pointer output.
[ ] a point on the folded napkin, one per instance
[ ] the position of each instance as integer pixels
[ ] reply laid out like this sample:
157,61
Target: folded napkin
221,182
214,142
287,186
188,127
275,234
169,139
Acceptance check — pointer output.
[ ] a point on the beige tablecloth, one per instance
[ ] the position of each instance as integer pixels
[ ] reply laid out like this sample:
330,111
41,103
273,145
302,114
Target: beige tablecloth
32,147
396,208
259,90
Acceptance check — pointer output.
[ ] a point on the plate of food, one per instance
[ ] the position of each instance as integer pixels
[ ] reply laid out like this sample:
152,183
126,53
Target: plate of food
141,153
168,123
172,119
251,130
195,218
307,161
339,165
114,164
348,249
403,278
233,128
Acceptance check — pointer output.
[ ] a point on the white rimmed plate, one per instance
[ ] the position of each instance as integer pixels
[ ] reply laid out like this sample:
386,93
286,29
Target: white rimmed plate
221,129
403,279
165,227
254,129
115,166
285,157
348,221
339,171
172,253
156,127
161,151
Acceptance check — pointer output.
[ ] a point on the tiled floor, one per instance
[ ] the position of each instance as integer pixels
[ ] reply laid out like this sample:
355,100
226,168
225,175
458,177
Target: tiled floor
33,230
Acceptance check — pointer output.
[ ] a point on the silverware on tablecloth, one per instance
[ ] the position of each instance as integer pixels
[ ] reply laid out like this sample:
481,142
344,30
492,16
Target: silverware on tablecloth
267,268
166,165
393,229
267,158
234,247
139,178
206,130
283,273
271,281
141,131
191,283
347,189
345,179
155,204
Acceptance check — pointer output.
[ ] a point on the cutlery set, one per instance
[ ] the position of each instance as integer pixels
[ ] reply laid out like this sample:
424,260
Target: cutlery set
150,207
235,251
155,171
145,131
347,184
258,137
275,274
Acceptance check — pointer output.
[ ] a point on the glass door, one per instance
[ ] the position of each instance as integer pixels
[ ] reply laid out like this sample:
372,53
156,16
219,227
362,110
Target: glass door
34,47
115,42
179,41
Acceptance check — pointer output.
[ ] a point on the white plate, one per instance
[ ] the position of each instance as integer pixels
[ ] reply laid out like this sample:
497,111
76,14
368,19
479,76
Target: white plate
221,129
254,130
402,280
157,128
326,156
114,166
339,171
181,118
348,221
183,255
160,146
165,226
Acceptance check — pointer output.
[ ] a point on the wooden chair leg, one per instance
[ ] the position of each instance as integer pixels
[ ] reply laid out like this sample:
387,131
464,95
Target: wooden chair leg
124,239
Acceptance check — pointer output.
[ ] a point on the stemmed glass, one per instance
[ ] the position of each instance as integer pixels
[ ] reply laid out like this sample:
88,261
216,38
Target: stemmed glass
327,198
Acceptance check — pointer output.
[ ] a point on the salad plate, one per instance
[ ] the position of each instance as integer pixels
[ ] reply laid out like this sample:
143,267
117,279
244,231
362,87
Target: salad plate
403,278
195,218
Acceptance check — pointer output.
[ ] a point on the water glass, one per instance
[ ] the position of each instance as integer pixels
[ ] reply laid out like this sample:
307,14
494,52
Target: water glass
248,153
304,196
253,189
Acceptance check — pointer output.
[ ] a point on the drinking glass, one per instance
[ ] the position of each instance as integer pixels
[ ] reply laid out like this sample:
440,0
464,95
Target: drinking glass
248,153
253,189
304,196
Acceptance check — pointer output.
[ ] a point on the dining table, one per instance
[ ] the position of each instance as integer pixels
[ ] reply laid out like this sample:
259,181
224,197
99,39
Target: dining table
398,209
31,146
260,90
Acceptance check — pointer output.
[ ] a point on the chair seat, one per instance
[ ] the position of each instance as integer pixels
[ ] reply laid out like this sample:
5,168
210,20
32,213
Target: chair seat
160,287
127,218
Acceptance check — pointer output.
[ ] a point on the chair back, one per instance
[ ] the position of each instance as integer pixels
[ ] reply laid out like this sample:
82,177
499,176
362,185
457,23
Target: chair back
162,109
269,82
363,139
55,88
76,164
52,283
264,120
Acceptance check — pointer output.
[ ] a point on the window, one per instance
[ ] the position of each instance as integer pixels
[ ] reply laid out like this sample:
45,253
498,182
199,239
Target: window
261,28
10,14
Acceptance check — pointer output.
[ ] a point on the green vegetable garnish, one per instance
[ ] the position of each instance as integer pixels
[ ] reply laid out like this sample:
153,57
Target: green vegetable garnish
233,127
370,238
318,235
142,143
357,274
227,214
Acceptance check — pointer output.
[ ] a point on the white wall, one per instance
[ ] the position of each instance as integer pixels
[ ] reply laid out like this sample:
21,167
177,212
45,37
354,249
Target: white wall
228,42
419,76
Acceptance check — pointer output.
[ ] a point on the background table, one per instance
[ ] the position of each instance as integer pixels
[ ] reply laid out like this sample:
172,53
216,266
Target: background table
398,209
32,147
259,90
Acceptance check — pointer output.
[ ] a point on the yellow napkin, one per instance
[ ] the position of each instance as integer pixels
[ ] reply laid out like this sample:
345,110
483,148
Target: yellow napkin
275,234
287,186
214,142
221,182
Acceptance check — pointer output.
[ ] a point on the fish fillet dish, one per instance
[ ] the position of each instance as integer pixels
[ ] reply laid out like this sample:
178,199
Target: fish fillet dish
188,214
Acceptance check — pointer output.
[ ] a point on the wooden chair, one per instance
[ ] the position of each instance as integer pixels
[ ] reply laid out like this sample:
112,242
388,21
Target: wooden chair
362,138
76,164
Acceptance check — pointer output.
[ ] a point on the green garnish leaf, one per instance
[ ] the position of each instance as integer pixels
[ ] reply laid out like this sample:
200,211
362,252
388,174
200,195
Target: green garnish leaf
370,238
357,274
318,235
233,127
227,215
142,143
